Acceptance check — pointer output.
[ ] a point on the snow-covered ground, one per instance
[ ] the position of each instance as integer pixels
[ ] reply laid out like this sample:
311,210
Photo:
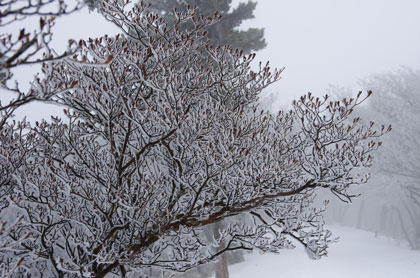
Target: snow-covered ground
357,254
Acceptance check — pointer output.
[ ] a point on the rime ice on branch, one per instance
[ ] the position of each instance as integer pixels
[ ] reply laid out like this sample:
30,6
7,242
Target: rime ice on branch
27,46
163,136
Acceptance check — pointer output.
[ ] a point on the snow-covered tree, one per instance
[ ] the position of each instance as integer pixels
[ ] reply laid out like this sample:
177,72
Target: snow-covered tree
224,32
27,45
163,135
25,40
396,186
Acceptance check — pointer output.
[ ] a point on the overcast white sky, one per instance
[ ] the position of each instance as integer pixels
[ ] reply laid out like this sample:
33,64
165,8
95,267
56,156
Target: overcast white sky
319,42
336,42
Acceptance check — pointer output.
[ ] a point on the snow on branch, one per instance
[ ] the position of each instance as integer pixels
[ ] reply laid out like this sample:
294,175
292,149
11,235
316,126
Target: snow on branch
166,137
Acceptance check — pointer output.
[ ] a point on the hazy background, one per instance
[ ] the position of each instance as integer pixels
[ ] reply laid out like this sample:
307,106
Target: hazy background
320,43
334,42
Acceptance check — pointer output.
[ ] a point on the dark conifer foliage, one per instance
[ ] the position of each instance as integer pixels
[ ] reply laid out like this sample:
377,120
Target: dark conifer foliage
226,31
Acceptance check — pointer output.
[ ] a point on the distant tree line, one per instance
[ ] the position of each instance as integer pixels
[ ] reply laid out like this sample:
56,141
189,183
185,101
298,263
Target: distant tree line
390,204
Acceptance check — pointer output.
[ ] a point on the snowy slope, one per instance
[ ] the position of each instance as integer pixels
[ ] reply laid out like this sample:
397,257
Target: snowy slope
358,254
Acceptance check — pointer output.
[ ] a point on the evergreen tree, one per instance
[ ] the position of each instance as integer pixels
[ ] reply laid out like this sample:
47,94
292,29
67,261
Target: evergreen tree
225,32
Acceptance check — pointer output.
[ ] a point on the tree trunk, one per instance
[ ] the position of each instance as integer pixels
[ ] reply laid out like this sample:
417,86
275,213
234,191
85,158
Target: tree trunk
360,215
221,265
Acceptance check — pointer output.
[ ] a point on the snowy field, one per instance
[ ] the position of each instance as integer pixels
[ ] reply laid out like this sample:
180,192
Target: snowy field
358,254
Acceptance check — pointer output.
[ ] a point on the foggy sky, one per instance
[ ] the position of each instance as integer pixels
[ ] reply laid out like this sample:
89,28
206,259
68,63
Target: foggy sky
335,42
319,42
